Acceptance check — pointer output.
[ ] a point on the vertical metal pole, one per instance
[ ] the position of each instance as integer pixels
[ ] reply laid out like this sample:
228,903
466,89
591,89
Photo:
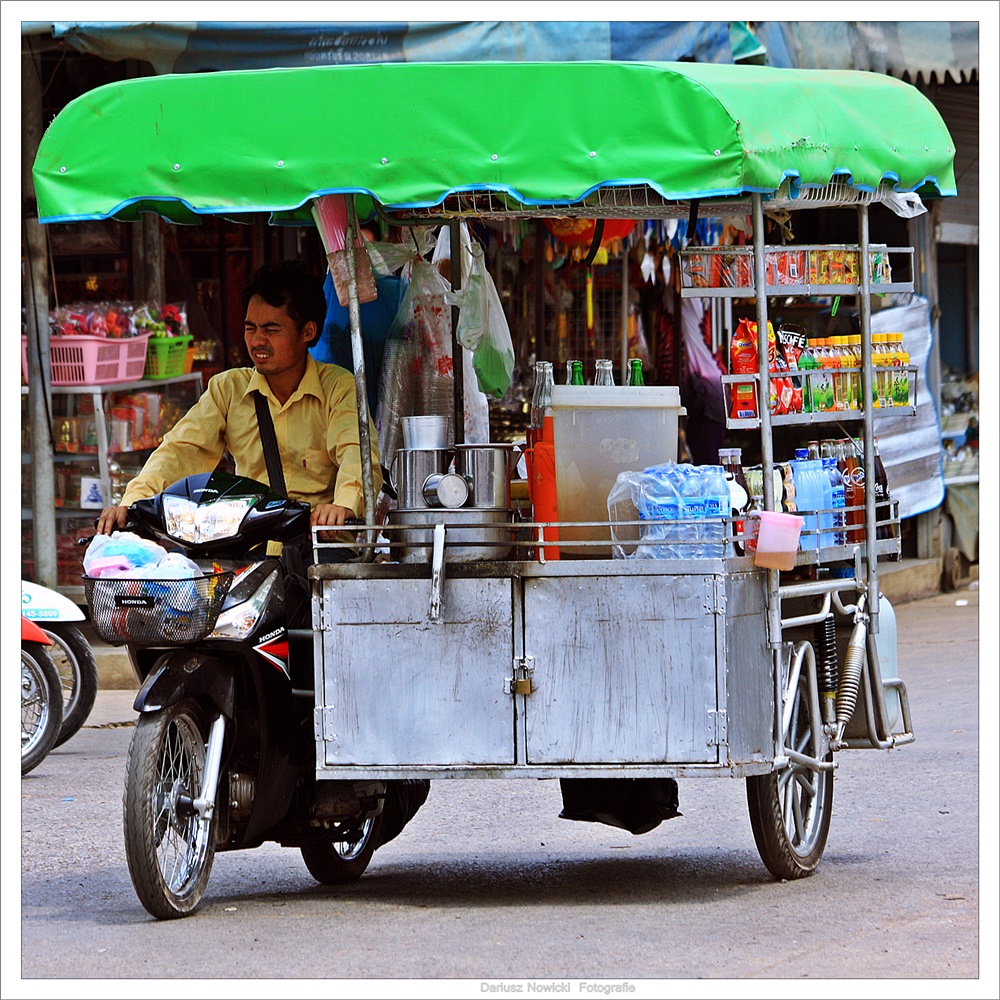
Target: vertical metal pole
624,317
864,294
458,357
764,408
35,293
360,381
539,301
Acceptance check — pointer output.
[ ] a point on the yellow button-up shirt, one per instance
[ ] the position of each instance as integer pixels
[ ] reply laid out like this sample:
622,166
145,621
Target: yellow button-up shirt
317,432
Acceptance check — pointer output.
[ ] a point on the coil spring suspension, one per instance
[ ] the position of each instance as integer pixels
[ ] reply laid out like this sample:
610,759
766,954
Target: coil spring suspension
825,645
850,678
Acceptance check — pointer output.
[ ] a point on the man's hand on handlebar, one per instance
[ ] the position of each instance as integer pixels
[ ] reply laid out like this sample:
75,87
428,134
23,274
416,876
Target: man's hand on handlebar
112,519
332,515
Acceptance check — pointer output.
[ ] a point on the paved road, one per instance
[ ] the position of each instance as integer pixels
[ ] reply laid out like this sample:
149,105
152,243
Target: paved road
488,886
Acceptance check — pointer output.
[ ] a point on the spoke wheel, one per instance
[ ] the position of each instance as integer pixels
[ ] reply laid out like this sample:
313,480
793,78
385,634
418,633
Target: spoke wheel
790,809
169,848
345,857
41,705
74,660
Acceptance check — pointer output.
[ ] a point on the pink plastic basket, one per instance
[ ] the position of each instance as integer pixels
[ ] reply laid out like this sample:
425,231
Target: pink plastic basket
82,360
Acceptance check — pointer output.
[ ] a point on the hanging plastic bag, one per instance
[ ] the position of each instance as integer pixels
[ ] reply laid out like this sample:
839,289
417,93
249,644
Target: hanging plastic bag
472,298
482,325
477,410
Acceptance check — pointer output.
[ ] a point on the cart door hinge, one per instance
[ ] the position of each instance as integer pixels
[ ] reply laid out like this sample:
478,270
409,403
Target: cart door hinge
323,724
322,615
520,683
720,596
717,728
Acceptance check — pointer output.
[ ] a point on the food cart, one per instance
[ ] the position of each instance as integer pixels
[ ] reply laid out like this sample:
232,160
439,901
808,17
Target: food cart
455,645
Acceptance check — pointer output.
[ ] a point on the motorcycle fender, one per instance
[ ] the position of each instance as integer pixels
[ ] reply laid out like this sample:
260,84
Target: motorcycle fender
188,675
41,604
30,632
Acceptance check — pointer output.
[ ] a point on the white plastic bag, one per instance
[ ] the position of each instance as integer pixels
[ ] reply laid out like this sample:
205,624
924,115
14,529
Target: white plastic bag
482,325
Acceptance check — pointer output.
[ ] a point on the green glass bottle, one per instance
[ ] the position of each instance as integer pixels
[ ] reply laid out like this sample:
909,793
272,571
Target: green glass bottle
635,372
576,373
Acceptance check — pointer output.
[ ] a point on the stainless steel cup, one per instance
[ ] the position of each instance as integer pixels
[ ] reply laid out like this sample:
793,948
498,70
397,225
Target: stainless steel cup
425,432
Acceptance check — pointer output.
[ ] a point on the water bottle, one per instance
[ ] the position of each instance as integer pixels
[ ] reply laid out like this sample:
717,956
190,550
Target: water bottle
806,501
823,498
691,527
659,499
715,489
838,499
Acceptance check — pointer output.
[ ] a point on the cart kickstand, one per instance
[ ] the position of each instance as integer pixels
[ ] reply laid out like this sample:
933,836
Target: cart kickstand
437,574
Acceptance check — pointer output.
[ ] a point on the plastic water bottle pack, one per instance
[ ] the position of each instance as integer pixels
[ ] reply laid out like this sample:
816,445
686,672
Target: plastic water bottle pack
689,503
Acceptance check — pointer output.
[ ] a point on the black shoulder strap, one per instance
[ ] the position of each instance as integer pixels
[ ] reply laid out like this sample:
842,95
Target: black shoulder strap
272,458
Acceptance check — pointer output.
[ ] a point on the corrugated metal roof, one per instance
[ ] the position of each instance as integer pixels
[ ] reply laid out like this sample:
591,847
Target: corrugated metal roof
916,50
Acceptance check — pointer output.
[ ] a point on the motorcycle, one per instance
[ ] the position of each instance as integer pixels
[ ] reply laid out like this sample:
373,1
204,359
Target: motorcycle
41,698
223,753
57,616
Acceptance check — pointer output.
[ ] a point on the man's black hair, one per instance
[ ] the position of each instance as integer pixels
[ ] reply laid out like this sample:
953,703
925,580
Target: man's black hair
292,284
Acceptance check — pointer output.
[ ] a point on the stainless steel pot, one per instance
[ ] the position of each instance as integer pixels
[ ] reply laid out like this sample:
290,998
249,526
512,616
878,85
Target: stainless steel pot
470,535
487,467
412,468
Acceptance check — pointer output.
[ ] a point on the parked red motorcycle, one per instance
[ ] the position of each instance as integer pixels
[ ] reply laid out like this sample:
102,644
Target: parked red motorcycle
41,697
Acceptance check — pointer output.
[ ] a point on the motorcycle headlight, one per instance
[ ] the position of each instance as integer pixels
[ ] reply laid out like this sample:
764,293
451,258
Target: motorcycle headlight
239,621
198,523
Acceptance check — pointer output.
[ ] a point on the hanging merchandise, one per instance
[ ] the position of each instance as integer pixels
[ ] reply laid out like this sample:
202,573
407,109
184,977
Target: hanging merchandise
417,370
743,361
484,329
329,212
580,232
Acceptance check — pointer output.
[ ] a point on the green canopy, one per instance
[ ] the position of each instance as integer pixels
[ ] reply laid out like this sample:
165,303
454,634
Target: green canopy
411,134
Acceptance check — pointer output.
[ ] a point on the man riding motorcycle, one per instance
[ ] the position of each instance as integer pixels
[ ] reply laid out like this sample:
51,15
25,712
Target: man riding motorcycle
313,409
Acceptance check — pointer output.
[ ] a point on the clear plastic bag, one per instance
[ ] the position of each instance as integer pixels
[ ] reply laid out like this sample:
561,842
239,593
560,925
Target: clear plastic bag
482,324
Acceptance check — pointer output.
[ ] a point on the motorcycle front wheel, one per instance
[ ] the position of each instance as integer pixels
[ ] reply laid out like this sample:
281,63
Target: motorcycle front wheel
168,847
74,659
345,856
41,705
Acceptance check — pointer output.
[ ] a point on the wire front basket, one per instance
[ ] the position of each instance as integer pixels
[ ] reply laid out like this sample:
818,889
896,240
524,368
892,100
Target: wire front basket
153,612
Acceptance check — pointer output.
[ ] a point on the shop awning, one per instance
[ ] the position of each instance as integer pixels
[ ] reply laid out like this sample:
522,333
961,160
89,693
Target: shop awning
200,46
411,134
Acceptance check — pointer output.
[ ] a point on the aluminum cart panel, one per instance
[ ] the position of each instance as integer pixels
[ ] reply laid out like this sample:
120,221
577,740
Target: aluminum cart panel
624,669
396,688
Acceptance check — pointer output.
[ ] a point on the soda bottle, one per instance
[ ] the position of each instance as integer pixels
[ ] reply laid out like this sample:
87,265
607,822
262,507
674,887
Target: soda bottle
900,376
825,395
635,372
854,487
842,385
752,523
808,363
604,372
882,510
541,400
854,353
878,369
731,460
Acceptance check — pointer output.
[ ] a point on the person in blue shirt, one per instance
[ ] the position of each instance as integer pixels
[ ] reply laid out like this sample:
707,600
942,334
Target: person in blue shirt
334,344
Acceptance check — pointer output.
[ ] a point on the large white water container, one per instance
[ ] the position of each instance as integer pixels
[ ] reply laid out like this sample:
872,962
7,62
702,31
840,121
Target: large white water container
599,432
885,643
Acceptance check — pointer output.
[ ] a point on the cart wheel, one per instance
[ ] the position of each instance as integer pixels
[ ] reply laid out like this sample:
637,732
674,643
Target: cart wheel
790,809
345,859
